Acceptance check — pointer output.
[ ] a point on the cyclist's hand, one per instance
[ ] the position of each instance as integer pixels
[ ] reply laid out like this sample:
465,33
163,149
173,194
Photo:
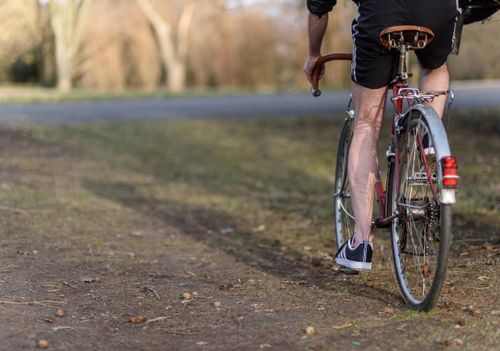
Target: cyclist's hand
309,65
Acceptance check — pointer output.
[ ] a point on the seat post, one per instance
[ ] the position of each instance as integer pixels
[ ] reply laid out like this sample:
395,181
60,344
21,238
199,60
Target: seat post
403,60
405,38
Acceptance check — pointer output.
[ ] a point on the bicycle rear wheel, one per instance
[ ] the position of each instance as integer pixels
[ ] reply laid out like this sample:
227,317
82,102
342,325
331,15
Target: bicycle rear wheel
344,216
421,234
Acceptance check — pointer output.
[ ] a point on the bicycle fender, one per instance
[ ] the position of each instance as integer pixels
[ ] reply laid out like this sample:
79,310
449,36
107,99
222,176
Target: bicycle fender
440,143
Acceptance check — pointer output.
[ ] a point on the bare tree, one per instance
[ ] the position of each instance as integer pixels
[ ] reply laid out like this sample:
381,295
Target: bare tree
173,45
66,22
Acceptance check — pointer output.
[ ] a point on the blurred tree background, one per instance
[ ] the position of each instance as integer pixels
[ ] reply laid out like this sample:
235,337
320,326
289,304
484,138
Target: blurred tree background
115,45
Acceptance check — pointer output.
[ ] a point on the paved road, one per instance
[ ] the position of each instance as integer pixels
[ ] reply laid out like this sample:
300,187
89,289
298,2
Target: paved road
468,95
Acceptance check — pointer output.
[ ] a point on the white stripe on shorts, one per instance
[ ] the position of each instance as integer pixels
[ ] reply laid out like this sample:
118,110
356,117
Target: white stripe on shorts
353,63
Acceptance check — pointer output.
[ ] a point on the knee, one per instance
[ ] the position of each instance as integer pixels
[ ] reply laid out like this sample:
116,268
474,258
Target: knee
441,70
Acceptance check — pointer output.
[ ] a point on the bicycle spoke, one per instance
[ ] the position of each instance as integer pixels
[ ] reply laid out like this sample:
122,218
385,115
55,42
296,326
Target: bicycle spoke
416,232
344,218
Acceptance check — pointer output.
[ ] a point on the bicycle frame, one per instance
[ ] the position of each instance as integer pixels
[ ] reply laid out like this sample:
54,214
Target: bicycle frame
422,177
398,102
400,92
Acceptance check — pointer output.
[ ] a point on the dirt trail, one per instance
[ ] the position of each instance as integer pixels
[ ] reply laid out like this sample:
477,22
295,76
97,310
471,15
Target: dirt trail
104,251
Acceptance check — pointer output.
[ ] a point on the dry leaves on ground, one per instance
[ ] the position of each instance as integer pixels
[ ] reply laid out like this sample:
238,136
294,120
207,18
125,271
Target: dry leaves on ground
138,319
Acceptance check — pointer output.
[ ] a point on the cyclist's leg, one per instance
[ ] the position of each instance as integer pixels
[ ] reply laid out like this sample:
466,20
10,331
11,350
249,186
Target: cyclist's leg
373,67
363,162
434,72
435,80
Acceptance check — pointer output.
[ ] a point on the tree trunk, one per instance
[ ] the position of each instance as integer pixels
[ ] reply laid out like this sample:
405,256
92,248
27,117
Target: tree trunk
66,21
64,57
173,57
177,77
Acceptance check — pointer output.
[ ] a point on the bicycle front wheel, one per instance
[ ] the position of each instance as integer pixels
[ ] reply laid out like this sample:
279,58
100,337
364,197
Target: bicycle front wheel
421,233
344,216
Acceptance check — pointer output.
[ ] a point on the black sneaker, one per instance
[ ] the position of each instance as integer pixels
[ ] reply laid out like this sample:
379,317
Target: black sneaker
359,257
428,148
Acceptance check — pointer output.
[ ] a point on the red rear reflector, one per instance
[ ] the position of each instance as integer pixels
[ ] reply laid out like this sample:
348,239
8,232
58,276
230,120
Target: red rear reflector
450,174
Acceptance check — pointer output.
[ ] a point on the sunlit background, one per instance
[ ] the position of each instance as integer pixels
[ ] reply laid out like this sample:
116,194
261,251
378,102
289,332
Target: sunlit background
192,186
179,45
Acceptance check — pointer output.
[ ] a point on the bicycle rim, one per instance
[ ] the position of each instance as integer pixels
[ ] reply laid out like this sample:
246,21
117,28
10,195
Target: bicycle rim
421,235
343,214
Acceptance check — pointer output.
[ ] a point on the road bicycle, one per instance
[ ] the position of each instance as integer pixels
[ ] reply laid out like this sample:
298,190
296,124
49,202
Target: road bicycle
422,178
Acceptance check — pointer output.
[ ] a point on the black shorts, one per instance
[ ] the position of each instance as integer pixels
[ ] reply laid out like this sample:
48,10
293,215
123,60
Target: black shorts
374,66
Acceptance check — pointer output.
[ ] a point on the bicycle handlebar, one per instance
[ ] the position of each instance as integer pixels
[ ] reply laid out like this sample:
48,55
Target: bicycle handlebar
316,72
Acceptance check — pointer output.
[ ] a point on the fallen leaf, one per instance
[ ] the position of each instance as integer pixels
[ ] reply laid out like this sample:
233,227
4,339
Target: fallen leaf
138,319
42,344
487,246
426,271
187,296
473,310
217,305
259,229
310,330
388,310
264,346
448,343
60,312
495,312
461,322
201,343
191,274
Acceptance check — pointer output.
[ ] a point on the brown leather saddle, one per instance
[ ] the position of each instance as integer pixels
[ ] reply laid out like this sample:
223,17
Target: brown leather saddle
414,37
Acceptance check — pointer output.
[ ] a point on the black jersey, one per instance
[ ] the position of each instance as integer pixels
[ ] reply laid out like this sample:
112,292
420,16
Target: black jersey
473,10
320,7
373,66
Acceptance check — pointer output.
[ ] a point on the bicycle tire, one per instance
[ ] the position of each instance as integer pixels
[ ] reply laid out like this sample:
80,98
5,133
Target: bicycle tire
343,214
421,235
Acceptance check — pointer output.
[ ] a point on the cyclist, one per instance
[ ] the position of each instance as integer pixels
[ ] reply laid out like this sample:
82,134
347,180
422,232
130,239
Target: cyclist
373,68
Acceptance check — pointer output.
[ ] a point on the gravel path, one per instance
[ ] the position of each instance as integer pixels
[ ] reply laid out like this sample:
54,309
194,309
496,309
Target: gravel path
468,95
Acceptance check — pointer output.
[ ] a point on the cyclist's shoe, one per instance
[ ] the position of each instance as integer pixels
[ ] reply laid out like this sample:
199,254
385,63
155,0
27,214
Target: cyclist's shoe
428,148
430,155
359,257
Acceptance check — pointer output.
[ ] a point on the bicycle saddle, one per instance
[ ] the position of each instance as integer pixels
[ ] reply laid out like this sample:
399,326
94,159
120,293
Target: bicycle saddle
415,37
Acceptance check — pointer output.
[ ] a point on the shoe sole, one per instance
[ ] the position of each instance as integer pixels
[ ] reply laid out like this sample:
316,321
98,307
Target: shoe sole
429,151
353,264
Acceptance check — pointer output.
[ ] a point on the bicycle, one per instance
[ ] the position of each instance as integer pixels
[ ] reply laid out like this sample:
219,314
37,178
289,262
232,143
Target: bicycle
421,183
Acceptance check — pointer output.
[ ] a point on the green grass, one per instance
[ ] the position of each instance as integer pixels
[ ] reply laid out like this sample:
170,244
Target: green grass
274,174
247,199
34,94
